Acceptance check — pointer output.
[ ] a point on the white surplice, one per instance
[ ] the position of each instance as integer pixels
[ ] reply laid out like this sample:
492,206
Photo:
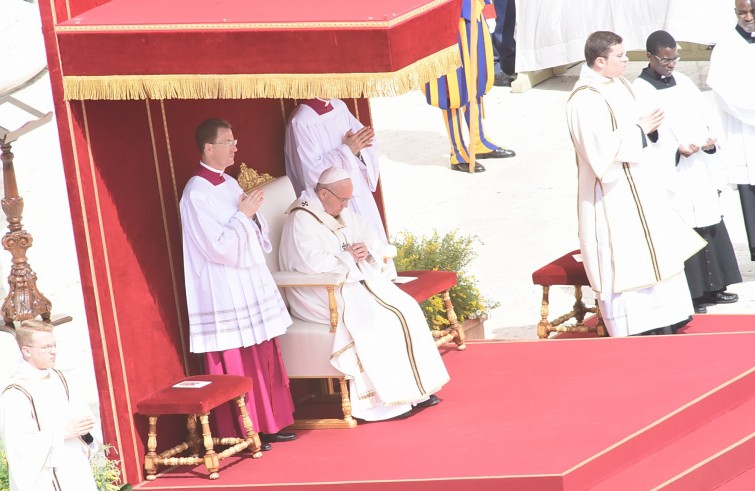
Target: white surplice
34,412
633,243
314,142
232,299
730,76
694,182
382,342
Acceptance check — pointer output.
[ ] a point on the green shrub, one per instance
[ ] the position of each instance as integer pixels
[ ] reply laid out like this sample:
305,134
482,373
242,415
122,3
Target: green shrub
106,472
451,252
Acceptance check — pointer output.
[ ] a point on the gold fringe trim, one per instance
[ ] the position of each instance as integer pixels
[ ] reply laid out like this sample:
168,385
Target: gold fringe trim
263,86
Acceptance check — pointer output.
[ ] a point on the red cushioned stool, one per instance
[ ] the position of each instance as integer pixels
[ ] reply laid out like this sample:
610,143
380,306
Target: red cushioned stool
188,396
566,271
429,283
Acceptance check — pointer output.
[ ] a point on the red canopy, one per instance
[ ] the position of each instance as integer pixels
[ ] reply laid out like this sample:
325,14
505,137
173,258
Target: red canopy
239,49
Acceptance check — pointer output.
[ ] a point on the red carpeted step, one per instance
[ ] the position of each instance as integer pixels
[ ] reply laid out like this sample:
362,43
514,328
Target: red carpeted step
701,460
742,482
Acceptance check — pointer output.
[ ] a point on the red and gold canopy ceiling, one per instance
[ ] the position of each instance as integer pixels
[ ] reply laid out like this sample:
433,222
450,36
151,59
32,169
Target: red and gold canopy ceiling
241,49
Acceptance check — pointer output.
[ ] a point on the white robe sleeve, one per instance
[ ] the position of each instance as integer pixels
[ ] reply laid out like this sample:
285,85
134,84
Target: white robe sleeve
236,242
590,125
29,451
307,253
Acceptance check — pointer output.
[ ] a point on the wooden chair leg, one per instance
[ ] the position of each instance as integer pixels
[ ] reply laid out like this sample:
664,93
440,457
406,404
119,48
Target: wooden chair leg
456,330
579,306
210,457
252,435
193,439
600,328
346,403
543,326
150,460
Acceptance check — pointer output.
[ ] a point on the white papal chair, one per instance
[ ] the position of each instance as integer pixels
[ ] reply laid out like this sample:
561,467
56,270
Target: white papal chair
306,346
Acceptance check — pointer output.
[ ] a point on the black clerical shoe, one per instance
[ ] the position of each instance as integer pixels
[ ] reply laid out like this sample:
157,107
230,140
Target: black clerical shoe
433,400
700,308
498,153
266,447
277,437
721,297
464,167
503,79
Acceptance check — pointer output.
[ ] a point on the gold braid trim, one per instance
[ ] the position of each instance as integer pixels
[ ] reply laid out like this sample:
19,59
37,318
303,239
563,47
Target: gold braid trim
263,86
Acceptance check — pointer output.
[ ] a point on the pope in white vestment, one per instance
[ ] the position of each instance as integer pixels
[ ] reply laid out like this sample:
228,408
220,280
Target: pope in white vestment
382,342
41,424
633,244
730,76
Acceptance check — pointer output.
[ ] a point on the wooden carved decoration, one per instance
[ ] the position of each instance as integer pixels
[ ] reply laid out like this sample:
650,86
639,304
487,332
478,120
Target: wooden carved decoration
24,300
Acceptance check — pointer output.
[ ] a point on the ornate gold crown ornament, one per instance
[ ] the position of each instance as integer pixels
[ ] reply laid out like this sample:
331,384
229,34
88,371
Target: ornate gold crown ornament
249,178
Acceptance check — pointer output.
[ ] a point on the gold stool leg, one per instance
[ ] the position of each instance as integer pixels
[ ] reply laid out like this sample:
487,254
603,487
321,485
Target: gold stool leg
346,403
150,460
543,327
252,435
600,328
456,329
210,457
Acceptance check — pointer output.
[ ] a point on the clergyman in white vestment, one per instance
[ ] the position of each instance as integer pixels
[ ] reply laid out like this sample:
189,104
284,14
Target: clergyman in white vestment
633,243
382,342
730,76
689,156
43,425
235,309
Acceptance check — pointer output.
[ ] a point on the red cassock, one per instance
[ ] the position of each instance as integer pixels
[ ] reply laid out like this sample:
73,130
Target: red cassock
131,81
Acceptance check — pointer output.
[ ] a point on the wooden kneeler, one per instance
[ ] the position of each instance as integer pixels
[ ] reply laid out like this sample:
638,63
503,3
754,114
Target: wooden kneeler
191,398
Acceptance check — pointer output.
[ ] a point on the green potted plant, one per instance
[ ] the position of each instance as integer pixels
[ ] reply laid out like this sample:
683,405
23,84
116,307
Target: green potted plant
450,252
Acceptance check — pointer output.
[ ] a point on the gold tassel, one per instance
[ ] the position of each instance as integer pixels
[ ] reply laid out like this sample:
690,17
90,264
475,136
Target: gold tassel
270,86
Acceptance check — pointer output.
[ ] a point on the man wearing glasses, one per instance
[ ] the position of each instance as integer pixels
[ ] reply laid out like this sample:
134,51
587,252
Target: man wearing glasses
382,342
633,243
44,428
235,309
730,77
687,155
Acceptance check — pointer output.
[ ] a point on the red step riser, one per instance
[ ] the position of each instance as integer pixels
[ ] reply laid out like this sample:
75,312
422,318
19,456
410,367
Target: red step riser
622,456
717,470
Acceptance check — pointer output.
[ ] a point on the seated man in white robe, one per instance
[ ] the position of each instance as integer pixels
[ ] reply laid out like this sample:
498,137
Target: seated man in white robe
45,429
382,342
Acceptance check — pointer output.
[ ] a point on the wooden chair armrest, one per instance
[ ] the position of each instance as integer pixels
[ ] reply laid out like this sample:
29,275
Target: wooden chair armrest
291,279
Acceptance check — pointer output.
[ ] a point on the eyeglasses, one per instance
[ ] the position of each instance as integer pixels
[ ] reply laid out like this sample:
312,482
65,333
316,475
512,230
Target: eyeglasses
46,348
667,61
229,143
744,13
342,200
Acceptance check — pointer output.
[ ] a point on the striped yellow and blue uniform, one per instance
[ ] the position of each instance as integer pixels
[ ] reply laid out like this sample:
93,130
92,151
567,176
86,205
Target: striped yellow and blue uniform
450,92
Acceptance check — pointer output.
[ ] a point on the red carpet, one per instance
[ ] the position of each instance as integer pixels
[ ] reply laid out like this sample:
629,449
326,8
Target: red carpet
542,415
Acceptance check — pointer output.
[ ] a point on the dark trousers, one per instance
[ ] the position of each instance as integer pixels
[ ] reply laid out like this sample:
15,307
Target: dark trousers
747,198
504,44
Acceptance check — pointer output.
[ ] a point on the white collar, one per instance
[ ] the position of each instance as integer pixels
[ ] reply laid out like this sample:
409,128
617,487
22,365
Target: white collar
211,169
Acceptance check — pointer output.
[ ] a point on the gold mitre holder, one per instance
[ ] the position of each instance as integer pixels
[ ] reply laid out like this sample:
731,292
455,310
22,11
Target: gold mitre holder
249,179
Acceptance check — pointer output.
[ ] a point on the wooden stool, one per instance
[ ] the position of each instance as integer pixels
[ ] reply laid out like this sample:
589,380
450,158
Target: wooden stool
428,284
188,396
566,271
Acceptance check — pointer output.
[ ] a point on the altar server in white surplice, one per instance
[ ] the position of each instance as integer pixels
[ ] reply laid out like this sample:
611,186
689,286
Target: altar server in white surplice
235,309
382,342
633,243
688,153
42,424
322,133
730,76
